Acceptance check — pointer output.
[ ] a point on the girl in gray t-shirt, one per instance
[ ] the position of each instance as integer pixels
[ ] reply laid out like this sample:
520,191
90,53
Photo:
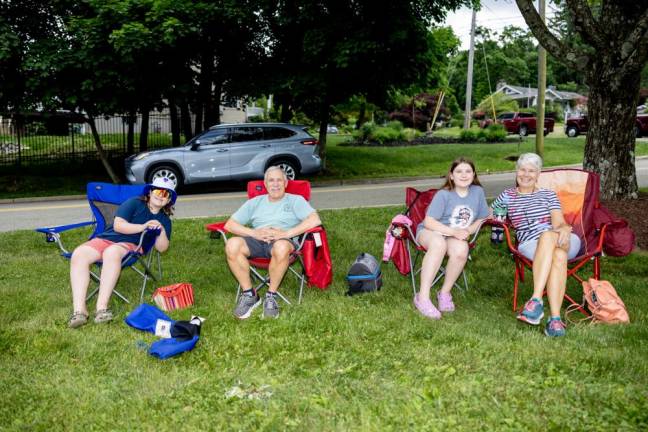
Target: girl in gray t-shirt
455,213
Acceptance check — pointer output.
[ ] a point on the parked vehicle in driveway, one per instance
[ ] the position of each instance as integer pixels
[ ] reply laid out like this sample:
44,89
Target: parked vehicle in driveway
575,126
523,123
230,152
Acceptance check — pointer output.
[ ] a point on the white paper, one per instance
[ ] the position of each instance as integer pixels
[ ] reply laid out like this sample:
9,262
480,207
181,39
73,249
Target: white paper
163,329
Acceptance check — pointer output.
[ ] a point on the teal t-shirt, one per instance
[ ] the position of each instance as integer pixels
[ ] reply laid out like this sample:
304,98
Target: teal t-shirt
260,212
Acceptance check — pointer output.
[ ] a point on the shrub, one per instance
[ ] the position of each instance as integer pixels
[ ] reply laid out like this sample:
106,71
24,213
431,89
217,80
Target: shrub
385,134
410,134
395,125
496,133
468,135
365,131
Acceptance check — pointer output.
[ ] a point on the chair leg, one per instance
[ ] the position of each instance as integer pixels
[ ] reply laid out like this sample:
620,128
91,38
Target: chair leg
516,282
412,270
465,278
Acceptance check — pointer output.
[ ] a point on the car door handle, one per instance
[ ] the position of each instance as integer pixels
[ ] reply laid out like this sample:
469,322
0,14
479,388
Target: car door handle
266,145
221,150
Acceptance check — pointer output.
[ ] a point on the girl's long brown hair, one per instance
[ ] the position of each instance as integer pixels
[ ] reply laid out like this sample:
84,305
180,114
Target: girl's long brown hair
449,184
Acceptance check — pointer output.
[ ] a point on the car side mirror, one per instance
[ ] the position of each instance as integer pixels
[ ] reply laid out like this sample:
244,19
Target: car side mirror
195,145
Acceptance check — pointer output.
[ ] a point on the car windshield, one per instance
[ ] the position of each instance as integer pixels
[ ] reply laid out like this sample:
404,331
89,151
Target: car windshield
505,116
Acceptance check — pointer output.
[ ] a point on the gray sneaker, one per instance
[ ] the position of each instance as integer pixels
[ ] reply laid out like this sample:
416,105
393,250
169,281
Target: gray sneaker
246,304
270,307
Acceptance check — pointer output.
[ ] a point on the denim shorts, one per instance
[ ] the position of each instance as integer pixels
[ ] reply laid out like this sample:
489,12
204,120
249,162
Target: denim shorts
528,248
261,249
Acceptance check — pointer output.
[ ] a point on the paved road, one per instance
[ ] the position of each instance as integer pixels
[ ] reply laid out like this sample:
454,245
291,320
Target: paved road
20,216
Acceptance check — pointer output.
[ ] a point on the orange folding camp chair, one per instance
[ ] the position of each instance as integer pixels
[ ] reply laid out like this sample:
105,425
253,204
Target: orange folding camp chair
312,247
406,251
578,192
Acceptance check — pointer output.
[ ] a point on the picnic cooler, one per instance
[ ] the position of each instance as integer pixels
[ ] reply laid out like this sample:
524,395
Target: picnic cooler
176,296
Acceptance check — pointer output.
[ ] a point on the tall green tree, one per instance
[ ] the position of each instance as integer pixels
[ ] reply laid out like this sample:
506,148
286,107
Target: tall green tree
324,52
613,54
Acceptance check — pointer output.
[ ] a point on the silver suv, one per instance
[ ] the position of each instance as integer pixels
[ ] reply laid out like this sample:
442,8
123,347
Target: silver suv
230,152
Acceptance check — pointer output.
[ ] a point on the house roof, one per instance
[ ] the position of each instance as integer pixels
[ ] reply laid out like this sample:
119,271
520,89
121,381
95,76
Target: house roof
518,92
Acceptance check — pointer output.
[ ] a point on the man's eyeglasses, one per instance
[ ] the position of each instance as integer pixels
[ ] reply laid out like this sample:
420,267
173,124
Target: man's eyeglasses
162,193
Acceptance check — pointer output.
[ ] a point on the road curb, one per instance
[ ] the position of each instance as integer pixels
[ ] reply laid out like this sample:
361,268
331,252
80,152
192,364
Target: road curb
314,183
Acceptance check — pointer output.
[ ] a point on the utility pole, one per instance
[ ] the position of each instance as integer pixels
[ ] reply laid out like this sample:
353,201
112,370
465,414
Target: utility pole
542,83
469,79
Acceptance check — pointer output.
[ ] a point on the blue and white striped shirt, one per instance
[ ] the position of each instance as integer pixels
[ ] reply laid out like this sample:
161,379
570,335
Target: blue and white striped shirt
529,213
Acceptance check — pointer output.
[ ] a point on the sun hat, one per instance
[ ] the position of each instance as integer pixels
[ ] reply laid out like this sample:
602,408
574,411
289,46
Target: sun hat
162,183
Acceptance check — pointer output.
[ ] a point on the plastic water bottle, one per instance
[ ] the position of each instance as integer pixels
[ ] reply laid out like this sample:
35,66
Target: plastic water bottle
497,232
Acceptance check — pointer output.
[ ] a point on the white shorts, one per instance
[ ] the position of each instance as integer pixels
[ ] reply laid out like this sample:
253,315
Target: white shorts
528,248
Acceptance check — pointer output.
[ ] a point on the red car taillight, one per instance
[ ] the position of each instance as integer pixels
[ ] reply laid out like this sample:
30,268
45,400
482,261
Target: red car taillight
311,141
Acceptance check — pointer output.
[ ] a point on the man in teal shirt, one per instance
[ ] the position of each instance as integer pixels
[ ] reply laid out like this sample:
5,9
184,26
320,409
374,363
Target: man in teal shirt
267,226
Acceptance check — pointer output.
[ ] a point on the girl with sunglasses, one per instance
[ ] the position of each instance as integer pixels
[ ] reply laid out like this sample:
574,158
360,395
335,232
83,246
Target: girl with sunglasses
133,216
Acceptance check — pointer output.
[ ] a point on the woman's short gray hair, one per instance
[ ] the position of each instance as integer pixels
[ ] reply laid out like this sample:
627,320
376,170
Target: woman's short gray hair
529,159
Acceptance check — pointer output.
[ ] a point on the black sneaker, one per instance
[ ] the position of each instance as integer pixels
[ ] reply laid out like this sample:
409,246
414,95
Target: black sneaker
246,304
270,307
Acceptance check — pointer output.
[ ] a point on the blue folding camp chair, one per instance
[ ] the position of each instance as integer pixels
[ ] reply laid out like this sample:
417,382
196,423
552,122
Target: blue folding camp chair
104,199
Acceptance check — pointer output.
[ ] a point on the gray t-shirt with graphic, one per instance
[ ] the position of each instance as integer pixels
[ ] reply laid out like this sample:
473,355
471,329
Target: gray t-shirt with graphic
455,211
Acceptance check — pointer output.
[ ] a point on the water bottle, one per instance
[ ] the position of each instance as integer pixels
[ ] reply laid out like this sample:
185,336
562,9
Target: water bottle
497,232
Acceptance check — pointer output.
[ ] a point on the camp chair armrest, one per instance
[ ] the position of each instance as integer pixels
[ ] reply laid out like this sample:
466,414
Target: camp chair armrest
217,229
149,234
53,234
302,237
473,238
62,228
601,234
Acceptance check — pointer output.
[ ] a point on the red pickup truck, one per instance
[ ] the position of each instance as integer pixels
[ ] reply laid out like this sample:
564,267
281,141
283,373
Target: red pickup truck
523,123
578,125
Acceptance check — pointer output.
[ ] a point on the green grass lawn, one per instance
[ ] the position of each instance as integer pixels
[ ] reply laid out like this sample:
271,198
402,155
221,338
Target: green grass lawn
433,160
333,363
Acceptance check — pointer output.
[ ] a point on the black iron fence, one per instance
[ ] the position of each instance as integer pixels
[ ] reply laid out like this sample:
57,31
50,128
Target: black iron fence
38,139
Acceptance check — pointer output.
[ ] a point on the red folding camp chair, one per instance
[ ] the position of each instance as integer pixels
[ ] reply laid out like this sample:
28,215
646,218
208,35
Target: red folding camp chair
312,252
404,235
578,192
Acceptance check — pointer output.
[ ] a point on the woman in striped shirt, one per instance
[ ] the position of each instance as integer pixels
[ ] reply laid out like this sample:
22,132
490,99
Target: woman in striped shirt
544,237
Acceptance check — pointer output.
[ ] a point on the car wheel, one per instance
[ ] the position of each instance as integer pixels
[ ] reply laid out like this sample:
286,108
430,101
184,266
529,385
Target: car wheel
572,131
288,168
524,130
166,171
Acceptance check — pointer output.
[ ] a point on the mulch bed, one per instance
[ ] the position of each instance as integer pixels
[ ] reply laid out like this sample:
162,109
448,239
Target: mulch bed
634,211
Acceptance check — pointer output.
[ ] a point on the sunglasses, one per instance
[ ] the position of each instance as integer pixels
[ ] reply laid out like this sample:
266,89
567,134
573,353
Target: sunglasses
161,193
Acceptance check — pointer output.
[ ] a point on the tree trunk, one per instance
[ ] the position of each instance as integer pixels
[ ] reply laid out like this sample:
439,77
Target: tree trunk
102,154
185,121
144,128
130,134
175,123
212,107
362,115
286,112
324,119
322,139
204,86
610,144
